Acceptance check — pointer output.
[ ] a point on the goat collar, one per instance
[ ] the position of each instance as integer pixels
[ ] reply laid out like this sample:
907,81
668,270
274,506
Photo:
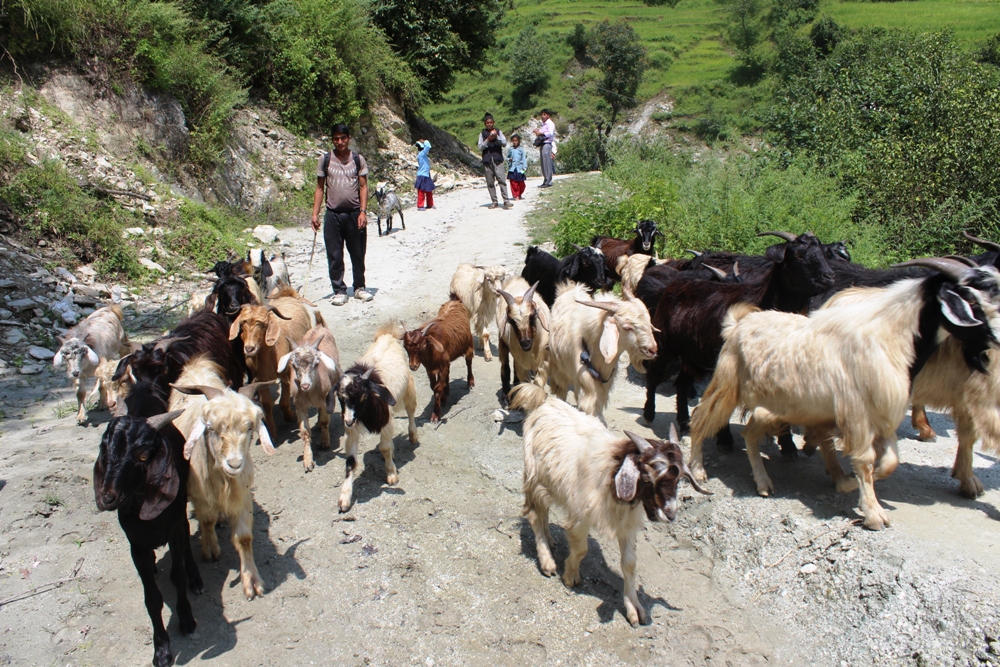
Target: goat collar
588,364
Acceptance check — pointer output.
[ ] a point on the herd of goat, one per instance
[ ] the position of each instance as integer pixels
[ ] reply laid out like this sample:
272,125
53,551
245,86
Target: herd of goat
797,337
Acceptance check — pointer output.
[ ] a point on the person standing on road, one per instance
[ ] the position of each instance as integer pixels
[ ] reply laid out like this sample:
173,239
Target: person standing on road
424,184
547,133
517,164
491,143
342,181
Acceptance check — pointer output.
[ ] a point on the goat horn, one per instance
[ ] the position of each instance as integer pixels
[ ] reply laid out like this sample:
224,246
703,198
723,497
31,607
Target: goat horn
610,306
508,298
164,343
963,260
249,390
368,373
428,327
627,291
578,248
291,341
949,267
315,343
277,312
719,272
686,472
530,294
736,269
159,421
207,391
989,245
639,441
788,236
693,252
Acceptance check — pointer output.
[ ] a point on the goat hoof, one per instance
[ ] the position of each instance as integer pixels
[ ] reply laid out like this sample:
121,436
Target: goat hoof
472,382
309,466
391,479
571,579
548,569
188,625
162,656
971,488
927,436
413,436
197,587
435,419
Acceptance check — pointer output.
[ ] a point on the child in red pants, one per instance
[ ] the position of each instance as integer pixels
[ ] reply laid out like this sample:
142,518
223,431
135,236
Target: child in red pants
517,164
424,184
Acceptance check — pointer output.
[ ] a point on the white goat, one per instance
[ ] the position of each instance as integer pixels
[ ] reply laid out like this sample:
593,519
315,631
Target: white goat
523,326
314,369
476,287
845,367
86,346
587,335
279,274
599,478
631,269
219,426
367,393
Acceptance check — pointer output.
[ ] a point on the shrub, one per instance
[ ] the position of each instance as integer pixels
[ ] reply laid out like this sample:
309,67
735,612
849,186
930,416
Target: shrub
206,234
622,59
579,39
989,52
528,72
584,151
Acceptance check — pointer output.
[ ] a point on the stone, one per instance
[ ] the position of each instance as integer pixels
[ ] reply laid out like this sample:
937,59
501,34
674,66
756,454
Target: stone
14,336
30,369
5,314
69,317
265,233
7,283
151,265
41,353
22,304
808,568
133,231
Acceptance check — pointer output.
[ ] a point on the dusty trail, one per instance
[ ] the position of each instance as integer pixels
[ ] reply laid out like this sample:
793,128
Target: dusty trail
440,569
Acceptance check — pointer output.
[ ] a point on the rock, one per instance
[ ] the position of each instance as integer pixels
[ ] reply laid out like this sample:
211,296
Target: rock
102,162
30,369
133,231
86,271
42,243
14,336
265,233
22,304
808,568
69,317
151,265
7,283
508,416
5,314
41,353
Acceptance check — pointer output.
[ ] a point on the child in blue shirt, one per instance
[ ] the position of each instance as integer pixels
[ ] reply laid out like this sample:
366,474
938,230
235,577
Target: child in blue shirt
424,184
517,164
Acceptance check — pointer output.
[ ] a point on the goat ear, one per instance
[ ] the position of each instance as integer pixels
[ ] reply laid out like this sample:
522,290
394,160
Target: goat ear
956,309
162,484
328,361
265,437
283,362
674,437
99,472
234,328
92,356
776,253
384,393
481,279
57,360
609,339
627,479
543,318
273,332
502,325
194,437
210,301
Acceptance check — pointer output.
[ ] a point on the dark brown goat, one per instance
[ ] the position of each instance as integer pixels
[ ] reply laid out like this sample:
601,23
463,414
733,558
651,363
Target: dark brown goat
614,249
442,340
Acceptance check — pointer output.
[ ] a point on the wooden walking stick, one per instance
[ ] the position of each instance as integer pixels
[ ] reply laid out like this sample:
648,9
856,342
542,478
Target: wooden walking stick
310,269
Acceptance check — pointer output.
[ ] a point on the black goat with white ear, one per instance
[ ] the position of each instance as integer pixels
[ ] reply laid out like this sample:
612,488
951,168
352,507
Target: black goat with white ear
141,472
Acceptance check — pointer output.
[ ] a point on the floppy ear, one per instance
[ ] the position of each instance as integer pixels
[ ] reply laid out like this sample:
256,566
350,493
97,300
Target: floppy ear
265,437
273,331
210,301
627,479
194,437
283,362
776,253
384,393
503,326
58,359
92,357
162,484
328,361
609,339
234,328
956,309
573,268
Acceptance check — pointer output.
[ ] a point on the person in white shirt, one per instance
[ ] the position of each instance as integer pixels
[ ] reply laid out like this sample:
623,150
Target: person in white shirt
547,132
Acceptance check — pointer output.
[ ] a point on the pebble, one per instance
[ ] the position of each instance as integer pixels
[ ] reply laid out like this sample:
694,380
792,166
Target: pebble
7,283
808,568
41,353
30,369
22,304
5,314
14,336
69,317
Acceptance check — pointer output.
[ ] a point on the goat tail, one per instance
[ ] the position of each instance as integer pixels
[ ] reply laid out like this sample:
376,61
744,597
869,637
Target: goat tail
719,400
117,310
391,328
736,313
283,291
527,396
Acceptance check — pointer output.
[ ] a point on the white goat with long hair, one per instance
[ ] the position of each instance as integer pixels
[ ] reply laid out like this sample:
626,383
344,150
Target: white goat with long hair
476,287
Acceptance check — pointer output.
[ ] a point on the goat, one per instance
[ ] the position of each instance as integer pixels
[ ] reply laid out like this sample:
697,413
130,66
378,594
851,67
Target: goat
848,366
631,268
367,393
437,344
279,274
614,249
387,203
586,266
314,372
601,481
689,316
265,332
219,426
141,472
229,294
476,287
587,336
162,360
90,343
523,323
244,268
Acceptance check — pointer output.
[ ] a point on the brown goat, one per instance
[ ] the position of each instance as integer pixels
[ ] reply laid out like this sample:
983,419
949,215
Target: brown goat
442,340
265,331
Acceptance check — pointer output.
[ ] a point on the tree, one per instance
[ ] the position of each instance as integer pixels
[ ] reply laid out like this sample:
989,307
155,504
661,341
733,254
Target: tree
528,58
578,39
440,39
622,59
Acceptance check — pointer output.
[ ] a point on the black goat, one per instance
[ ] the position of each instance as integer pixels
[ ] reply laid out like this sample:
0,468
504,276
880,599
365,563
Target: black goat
585,266
228,295
141,472
689,316
614,249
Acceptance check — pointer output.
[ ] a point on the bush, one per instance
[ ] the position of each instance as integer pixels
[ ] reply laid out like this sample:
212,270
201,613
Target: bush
579,39
621,57
528,66
206,234
989,52
583,151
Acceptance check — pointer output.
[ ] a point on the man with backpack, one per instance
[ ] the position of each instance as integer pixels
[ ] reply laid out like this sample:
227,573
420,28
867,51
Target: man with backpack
342,181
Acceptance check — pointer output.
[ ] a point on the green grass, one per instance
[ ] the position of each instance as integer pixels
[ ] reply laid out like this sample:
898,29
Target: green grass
973,21
583,189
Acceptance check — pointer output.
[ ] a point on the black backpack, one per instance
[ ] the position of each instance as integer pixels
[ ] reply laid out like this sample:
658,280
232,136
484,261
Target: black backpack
355,156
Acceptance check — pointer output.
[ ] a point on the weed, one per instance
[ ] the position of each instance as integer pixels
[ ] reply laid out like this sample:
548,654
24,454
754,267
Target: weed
52,500
63,409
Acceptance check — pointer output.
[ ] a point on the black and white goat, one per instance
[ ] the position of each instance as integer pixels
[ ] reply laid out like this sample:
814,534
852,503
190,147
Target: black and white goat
586,266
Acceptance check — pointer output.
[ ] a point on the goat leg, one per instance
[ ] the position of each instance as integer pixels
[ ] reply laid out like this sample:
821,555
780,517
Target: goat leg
875,517
267,405
324,427
760,422
654,377
684,384
634,610
145,565
577,550
351,461
386,447
485,338
788,449
538,516
918,418
80,384
242,525
178,576
210,550
504,353
194,579
471,352
302,414
285,402
969,484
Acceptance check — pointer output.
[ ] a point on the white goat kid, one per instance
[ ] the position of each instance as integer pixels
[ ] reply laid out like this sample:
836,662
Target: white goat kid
86,346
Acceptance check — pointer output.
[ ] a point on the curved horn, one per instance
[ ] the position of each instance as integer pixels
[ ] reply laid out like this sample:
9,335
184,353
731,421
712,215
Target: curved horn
989,245
164,343
368,373
291,342
427,328
639,441
159,421
693,252
610,306
578,248
276,312
530,294
736,269
788,236
508,298
249,390
718,272
315,344
949,267
207,391
963,260
627,293
686,472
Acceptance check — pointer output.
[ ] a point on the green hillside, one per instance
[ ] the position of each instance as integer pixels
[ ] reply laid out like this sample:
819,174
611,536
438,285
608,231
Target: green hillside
687,53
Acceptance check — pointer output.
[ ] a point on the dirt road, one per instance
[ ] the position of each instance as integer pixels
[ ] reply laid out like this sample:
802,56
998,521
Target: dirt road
440,569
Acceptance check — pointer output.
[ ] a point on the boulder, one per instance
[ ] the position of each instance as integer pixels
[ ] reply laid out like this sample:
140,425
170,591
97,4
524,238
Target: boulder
151,265
265,233
41,353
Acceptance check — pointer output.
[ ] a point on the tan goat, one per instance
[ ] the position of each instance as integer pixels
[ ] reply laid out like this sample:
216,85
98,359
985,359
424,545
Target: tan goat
523,326
476,287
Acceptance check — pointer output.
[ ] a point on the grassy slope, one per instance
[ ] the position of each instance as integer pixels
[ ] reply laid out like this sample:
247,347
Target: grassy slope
689,35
